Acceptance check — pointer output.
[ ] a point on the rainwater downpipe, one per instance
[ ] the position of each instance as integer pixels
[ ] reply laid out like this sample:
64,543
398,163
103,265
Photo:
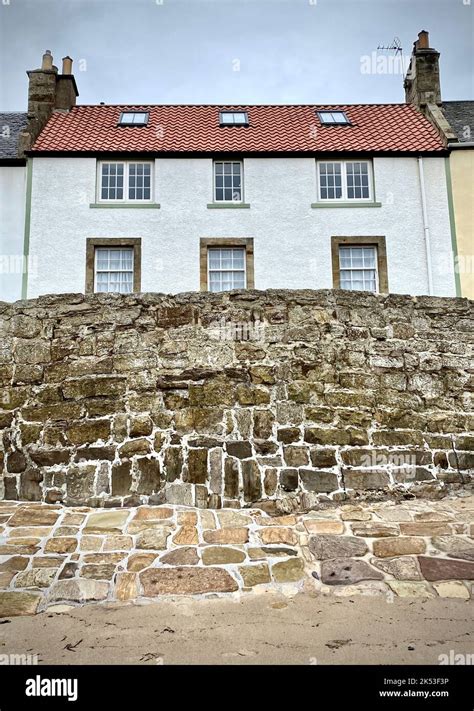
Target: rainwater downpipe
426,227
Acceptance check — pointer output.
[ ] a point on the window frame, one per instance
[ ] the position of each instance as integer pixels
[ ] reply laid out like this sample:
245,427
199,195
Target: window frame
126,167
98,271
110,242
344,198
223,124
207,243
376,268
357,241
134,125
214,186
209,270
346,121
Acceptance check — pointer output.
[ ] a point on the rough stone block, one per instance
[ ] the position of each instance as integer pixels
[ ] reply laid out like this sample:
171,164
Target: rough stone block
288,571
278,534
289,479
149,473
126,586
179,493
173,461
318,480
347,571
186,581
197,466
89,431
323,458
221,555
153,538
366,479
80,483
231,478
240,449
296,456
14,604
263,424
446,569
323,526
403,545
255,574
30,489
325,547
121,479
234,535
78,590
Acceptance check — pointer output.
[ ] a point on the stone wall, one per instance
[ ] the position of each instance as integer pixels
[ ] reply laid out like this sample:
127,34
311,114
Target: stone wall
286,398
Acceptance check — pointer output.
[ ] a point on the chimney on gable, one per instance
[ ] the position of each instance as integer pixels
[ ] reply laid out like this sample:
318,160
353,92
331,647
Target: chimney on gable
66,88
41,94
47,91
422,85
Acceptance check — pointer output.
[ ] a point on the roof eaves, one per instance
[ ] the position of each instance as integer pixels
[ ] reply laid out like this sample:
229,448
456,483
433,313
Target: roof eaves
441,151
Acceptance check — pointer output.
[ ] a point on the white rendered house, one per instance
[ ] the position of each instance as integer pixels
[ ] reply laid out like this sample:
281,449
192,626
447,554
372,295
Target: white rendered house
181,198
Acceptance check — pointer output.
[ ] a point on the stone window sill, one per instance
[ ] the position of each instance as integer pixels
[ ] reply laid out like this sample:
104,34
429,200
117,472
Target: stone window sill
345,204
228,205
126,205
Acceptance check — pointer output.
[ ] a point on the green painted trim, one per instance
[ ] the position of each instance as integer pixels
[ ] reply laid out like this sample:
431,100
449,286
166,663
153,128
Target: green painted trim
345,204
127,206
26,237
452,221
227,205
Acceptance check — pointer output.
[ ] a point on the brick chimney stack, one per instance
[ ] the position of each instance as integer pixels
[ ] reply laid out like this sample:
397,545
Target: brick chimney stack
47,91
422,85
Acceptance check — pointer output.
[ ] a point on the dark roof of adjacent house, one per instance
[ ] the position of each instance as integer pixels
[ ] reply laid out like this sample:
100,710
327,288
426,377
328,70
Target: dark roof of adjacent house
460,115
11,125
397,128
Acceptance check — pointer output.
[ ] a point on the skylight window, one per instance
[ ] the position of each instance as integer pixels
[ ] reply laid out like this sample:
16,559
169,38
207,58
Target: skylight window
333,117
134,118
233,118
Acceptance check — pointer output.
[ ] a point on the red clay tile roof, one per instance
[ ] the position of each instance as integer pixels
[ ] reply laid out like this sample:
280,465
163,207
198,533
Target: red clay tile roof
274,129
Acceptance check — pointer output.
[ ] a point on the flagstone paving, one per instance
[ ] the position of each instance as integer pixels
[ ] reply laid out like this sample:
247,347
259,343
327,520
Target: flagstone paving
52,555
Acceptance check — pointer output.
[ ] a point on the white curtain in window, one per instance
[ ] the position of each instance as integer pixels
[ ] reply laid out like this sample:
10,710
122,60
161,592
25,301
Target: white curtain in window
114,269
358,268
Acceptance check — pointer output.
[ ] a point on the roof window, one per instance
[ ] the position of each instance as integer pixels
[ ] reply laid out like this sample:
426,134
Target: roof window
134,118
333,118
233,118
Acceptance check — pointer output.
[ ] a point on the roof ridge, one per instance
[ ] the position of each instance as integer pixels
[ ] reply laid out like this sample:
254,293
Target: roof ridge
458,101
401,104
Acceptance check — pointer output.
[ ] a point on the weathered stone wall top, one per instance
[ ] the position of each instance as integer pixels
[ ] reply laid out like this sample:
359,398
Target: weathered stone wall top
235,398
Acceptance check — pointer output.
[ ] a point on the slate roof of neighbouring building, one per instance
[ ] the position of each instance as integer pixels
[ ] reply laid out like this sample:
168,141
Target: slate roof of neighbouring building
460,115
272,129
11,125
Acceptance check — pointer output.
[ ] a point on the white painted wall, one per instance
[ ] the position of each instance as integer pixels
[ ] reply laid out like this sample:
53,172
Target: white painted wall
292,240
12,227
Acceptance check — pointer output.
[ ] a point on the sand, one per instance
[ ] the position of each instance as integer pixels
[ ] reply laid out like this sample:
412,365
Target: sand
257,629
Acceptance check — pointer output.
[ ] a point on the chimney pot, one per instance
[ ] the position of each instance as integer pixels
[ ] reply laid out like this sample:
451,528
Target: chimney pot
47,62
67,65
423,40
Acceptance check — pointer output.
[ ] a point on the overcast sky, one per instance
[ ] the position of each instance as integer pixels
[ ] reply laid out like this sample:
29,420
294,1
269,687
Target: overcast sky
230,51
